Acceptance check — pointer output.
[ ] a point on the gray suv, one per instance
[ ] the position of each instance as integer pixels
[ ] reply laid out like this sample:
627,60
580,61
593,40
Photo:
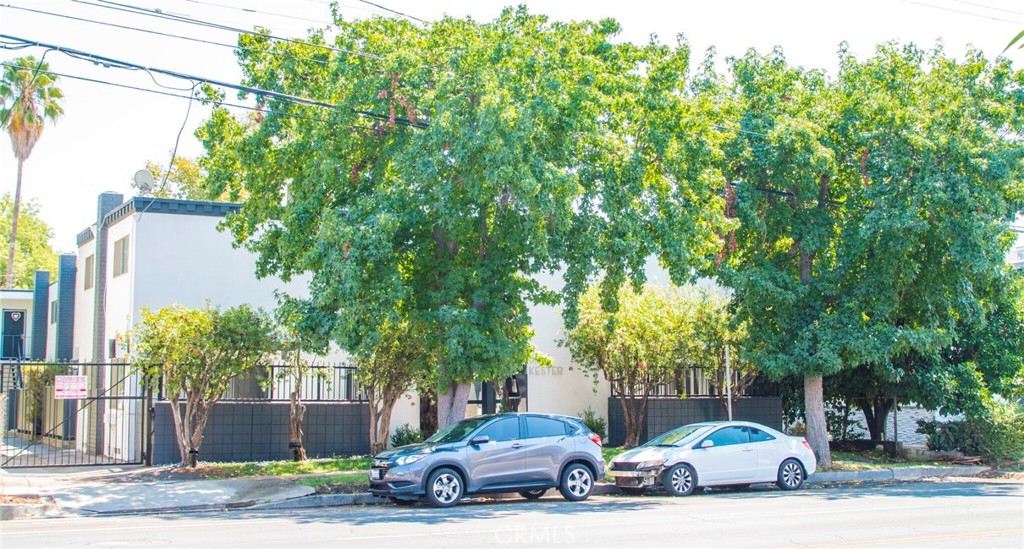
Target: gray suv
524,453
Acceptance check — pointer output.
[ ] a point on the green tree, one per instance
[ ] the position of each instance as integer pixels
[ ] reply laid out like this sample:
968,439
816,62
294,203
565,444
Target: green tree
197,352
33,252
714,330
29,96
871,207
637,348
454,168
186,180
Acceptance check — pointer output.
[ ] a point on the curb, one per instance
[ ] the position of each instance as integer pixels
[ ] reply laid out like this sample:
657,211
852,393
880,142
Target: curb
896,473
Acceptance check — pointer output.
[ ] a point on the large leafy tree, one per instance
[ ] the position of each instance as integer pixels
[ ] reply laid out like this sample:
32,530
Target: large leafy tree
459,162
871,207
196,353
33,252
29,97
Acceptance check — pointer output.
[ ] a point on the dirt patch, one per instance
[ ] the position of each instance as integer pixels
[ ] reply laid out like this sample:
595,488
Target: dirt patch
1007,474
20,500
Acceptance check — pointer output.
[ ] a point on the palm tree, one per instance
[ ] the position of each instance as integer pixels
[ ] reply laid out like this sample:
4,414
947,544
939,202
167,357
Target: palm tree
29,97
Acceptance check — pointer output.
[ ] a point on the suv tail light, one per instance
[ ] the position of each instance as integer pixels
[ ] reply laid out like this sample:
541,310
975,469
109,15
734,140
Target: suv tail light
594,437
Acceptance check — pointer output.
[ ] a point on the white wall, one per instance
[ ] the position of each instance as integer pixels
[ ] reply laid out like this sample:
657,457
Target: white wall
84,306
51,326
119,288
183,259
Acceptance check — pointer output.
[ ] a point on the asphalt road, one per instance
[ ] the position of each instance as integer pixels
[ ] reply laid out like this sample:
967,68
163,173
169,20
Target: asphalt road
919,514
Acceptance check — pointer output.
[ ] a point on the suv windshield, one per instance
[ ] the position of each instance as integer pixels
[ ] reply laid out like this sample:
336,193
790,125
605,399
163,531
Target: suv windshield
674,436
459,431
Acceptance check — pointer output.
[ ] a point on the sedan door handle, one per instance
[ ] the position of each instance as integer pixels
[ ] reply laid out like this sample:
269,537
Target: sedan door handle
749,450
517,446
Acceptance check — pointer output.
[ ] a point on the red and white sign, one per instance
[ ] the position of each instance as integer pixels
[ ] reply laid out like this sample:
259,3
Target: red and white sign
68,387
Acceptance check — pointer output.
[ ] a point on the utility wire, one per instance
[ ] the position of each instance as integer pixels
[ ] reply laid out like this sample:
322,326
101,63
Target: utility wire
385,8
954,10
177,95
250,10
993,8
128,8
115,63
157,33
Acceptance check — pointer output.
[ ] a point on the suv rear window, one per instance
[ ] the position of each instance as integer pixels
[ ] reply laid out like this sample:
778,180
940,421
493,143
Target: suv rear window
544,427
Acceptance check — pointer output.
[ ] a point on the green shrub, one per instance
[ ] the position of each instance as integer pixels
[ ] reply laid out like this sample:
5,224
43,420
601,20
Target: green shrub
594,422
406,435
1001,434
997,434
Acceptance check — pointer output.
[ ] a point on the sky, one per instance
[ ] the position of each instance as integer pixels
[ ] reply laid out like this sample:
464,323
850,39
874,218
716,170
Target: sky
108,133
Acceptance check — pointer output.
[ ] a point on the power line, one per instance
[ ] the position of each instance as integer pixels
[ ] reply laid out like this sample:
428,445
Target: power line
128,8
954,10
993,8
115,63
157,33
385,8
176,95
250,10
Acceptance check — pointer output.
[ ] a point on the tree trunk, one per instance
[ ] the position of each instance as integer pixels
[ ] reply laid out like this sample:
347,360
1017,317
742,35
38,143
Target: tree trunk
297,411
9,277
428,413
876,414
452,399
814,414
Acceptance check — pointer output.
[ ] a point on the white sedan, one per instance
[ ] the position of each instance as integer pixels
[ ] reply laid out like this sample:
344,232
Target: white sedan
715,453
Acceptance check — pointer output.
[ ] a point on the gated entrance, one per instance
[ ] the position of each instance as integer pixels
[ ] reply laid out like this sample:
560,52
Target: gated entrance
61,415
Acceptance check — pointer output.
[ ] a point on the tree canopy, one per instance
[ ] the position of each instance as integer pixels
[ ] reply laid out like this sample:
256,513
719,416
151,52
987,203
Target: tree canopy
459,160
33,252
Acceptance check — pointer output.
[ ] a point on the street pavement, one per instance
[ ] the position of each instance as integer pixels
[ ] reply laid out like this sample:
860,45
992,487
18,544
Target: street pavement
950,513
117,490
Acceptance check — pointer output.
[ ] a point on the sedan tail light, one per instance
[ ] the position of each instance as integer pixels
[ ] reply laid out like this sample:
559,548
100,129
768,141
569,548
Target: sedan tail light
594,437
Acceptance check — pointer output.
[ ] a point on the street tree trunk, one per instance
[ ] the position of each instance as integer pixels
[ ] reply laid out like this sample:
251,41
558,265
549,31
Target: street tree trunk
297,412
814,414
876,413
9,276
452,399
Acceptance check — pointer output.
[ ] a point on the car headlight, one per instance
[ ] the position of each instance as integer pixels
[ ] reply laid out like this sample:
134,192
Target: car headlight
406,460
653,464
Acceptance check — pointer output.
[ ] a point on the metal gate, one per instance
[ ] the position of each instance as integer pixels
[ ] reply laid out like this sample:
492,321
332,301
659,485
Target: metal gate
60,415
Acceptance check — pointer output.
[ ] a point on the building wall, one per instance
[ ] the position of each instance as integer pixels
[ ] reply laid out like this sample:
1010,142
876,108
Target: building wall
1016,254
51,322
84,304
20,300
119,306
185,260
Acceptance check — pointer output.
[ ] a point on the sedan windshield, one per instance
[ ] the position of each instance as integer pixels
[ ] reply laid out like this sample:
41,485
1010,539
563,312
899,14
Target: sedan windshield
675,436
459,431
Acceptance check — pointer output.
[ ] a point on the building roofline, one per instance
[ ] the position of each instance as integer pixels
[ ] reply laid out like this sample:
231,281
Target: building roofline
149,204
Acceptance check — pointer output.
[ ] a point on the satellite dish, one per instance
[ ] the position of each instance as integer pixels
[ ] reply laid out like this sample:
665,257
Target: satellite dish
144,182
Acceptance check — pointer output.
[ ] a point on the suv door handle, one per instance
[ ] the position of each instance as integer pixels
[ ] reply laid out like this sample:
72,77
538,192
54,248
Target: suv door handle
517,446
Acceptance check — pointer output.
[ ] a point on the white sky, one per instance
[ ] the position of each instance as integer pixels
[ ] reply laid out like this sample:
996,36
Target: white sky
108,133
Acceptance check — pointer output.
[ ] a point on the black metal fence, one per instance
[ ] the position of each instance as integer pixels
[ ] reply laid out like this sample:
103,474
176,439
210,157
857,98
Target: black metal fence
101,420
275,383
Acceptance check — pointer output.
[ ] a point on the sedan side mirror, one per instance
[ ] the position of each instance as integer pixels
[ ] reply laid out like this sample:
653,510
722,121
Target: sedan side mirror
476,441
707,443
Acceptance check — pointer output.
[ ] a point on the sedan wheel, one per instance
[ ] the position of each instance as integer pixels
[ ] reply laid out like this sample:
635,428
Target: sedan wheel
680,480
577,482
791,475
533,494
444,488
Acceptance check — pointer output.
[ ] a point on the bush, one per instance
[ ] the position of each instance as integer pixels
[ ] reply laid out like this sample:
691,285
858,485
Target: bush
406,435
594,422
997,435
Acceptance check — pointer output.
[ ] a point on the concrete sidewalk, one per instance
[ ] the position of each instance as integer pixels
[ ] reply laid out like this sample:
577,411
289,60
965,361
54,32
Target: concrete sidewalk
75,491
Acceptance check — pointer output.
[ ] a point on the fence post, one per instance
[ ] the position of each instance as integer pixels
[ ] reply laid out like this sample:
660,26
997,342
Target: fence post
150,419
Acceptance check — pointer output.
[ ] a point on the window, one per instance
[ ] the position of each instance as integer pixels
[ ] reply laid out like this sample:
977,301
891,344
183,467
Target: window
90,271
502,430
121,256
757,435
53,312
729,436
544,427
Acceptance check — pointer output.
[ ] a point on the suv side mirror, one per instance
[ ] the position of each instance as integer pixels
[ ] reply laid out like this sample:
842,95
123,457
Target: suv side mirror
707,443
476,441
